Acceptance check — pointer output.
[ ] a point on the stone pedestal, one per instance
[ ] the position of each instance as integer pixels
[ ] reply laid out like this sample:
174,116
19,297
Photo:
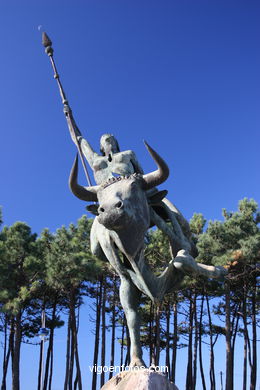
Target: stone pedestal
143,379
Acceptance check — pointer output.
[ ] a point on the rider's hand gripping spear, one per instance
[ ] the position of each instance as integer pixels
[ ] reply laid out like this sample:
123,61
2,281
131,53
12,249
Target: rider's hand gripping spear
47,43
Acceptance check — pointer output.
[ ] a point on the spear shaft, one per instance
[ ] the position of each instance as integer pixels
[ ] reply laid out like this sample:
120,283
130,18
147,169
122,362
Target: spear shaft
47,43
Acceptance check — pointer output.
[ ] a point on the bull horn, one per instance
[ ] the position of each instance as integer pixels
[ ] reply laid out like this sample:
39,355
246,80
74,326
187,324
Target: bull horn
84,193
157,177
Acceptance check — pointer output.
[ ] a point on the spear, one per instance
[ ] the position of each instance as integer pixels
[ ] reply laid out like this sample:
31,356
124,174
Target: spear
47,43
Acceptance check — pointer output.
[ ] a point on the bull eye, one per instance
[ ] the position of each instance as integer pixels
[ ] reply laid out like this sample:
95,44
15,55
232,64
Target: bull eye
119,205
101,209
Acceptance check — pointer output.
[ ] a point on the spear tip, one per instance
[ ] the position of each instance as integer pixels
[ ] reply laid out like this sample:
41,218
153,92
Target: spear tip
46,40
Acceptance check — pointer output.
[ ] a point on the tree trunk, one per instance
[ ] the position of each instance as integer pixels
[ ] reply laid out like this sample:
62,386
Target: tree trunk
97,331
175,339
113,332
254,341
72,356
7,352
40,366
50,347
200,344
167,352
245,365
51,370
211,365
234,328
157,335
67,356
75,340
103,345
16,353
151,323
195,349
189,379
229,363
245,336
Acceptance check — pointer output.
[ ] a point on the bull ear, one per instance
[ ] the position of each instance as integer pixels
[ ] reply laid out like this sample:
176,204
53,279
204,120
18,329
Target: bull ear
157,177
84,193
157,197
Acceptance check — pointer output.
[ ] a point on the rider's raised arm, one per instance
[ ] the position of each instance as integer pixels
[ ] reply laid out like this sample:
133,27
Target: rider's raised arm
87,150
136,165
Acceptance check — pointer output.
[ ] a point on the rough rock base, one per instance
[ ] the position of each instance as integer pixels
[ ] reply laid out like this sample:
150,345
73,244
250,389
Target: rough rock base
144,379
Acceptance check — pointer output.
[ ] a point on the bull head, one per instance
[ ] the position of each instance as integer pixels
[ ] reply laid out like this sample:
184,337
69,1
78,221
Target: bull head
149,181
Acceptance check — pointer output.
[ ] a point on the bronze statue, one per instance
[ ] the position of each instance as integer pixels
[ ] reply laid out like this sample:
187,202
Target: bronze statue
127,203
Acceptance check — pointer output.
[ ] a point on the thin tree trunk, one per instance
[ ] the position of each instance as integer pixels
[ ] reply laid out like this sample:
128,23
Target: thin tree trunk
234,328
157,335
175,339
195,349
75,341
76,381
200,344
72,356
5,342
254,341
245,366
97,331
229,363
248,342
7,352
103,345
51,371
50,347
189,379
211,365
67,355
151,345
16,353
245,338
40,366
167,352
112,351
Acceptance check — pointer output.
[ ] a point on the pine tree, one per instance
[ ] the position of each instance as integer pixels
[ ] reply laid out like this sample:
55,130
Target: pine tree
19,267
235,244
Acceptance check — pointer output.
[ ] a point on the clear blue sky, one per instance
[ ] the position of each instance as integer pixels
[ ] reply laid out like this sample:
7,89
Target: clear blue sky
183,75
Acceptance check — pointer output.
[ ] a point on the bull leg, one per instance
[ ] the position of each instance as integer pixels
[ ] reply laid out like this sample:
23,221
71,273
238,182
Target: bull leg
130,300
185,263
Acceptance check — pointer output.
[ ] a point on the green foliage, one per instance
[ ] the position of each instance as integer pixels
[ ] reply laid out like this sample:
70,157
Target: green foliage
237,238
19,266
197,224
68,259
157,251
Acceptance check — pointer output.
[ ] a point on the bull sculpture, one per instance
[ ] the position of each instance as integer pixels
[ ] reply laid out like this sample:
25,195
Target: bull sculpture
124,216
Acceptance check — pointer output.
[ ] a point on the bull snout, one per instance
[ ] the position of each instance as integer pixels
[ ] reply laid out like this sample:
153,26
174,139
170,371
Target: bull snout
111,215
106,208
